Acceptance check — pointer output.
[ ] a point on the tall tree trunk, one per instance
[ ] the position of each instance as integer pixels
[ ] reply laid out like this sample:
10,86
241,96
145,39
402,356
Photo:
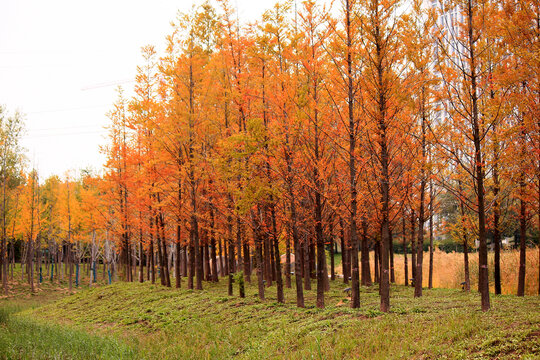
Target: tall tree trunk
151,259
430,281
483,279
307,277
258,251
522,237
366,271
287,262
213,246
177,275
344,254
247,261
496,231
352,129
376,261
418,278
239,242
161,261
522,216
297,262
391,249
230,240
221,258
413,248
331,238
279,279
405,265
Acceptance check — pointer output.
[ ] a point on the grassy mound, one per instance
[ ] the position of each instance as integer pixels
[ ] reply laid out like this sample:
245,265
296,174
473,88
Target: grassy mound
167,323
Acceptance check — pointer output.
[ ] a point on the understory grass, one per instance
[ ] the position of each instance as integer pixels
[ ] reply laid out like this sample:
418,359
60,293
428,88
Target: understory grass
151,321
26,338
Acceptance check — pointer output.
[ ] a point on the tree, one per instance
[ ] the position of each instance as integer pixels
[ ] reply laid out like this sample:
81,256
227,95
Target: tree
11,128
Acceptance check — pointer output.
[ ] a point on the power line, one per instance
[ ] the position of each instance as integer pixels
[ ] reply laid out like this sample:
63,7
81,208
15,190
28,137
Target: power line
66,134
65,127
107,84
69,109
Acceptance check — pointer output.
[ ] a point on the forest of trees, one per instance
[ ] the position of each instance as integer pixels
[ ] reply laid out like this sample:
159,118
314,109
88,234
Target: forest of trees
252,152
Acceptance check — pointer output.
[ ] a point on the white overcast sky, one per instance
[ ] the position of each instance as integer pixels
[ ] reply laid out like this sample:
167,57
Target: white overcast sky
59,61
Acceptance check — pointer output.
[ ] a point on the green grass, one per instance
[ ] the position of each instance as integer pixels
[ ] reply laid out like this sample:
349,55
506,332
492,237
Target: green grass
26,338
29,337
149,321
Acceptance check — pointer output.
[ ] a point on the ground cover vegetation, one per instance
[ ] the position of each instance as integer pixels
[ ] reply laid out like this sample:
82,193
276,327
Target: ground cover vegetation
318,145
146,321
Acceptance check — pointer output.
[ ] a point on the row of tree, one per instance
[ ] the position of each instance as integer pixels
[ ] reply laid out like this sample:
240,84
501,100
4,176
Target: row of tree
311,127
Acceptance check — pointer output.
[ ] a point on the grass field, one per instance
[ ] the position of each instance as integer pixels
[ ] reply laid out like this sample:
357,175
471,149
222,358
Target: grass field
144,321
448,270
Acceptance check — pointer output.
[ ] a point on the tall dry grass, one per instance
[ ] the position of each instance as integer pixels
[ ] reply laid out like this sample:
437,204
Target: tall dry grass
448,270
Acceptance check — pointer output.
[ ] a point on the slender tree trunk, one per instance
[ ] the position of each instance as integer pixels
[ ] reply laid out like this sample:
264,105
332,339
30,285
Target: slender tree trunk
70,265
391,248
345,264
331,238
258,251
287,262
222,257
239,263
430,281
522,217
522,237
376,252
247,261
160,253
413,248
177,275
418,278
466,264
215,277
206,257
366,271
483,279
307,277
297,262
231,255
279,279
151,259
226,258
405,265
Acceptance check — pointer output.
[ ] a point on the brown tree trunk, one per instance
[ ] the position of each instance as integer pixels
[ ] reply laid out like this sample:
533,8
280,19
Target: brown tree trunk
405,265
213,246
258,250
161,261
151,259
496,220
178,256
430,281
307,277
279,279
344,254
231,258
247,262
466,264
483,279
331,241
366,271
413,248
376,264
221,258
391,248
522,238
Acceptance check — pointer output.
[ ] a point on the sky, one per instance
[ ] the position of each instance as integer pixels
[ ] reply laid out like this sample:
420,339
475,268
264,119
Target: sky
61,62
